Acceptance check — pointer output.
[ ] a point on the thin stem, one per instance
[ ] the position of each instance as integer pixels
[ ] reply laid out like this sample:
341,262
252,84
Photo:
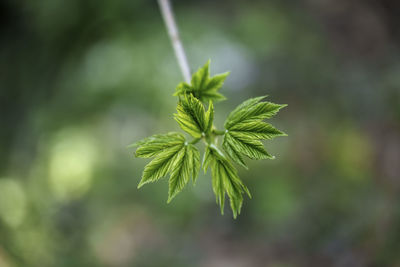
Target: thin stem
169,20
217,132
195,141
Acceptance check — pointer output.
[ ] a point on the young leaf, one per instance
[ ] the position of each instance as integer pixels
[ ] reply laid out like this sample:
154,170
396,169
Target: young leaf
186,164
191,116
202,86
182,89
246,145
155,144
172,155
256,129
201,76
233,153
180,174
226,180
161,165
252,110
206,159
245,129
216,82
194,158
218,184
209,117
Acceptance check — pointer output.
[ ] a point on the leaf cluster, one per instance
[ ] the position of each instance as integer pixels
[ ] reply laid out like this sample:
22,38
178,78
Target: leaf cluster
244,131
202,86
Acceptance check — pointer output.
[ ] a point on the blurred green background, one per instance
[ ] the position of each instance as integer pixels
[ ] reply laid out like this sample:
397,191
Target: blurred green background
80,80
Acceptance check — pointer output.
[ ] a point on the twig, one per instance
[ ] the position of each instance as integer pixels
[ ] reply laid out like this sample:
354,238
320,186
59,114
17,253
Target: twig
169,20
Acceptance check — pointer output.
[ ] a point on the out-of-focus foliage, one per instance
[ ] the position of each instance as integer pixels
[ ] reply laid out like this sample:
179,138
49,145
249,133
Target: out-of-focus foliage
79,80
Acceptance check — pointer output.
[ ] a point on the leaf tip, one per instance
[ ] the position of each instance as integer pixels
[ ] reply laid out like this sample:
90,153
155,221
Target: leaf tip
281,106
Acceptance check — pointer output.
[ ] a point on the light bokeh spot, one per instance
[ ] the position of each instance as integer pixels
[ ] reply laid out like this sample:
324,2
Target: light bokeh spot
12,202
71,164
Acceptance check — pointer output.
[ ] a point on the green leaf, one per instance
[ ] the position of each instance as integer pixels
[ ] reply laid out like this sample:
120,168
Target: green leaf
245,129
183,88
218,184
172,155
256,129
226,180
242,107
252,109
216,82
155,144
194,157
206,159
202,86
209,117
161,165
191,116
186,164
246,145
233,152
180,174
208,156
200,77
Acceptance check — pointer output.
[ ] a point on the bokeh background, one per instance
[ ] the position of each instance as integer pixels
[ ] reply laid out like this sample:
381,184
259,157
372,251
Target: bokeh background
81,80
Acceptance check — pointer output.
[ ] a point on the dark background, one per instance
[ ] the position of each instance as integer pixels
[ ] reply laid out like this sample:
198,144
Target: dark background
80,80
